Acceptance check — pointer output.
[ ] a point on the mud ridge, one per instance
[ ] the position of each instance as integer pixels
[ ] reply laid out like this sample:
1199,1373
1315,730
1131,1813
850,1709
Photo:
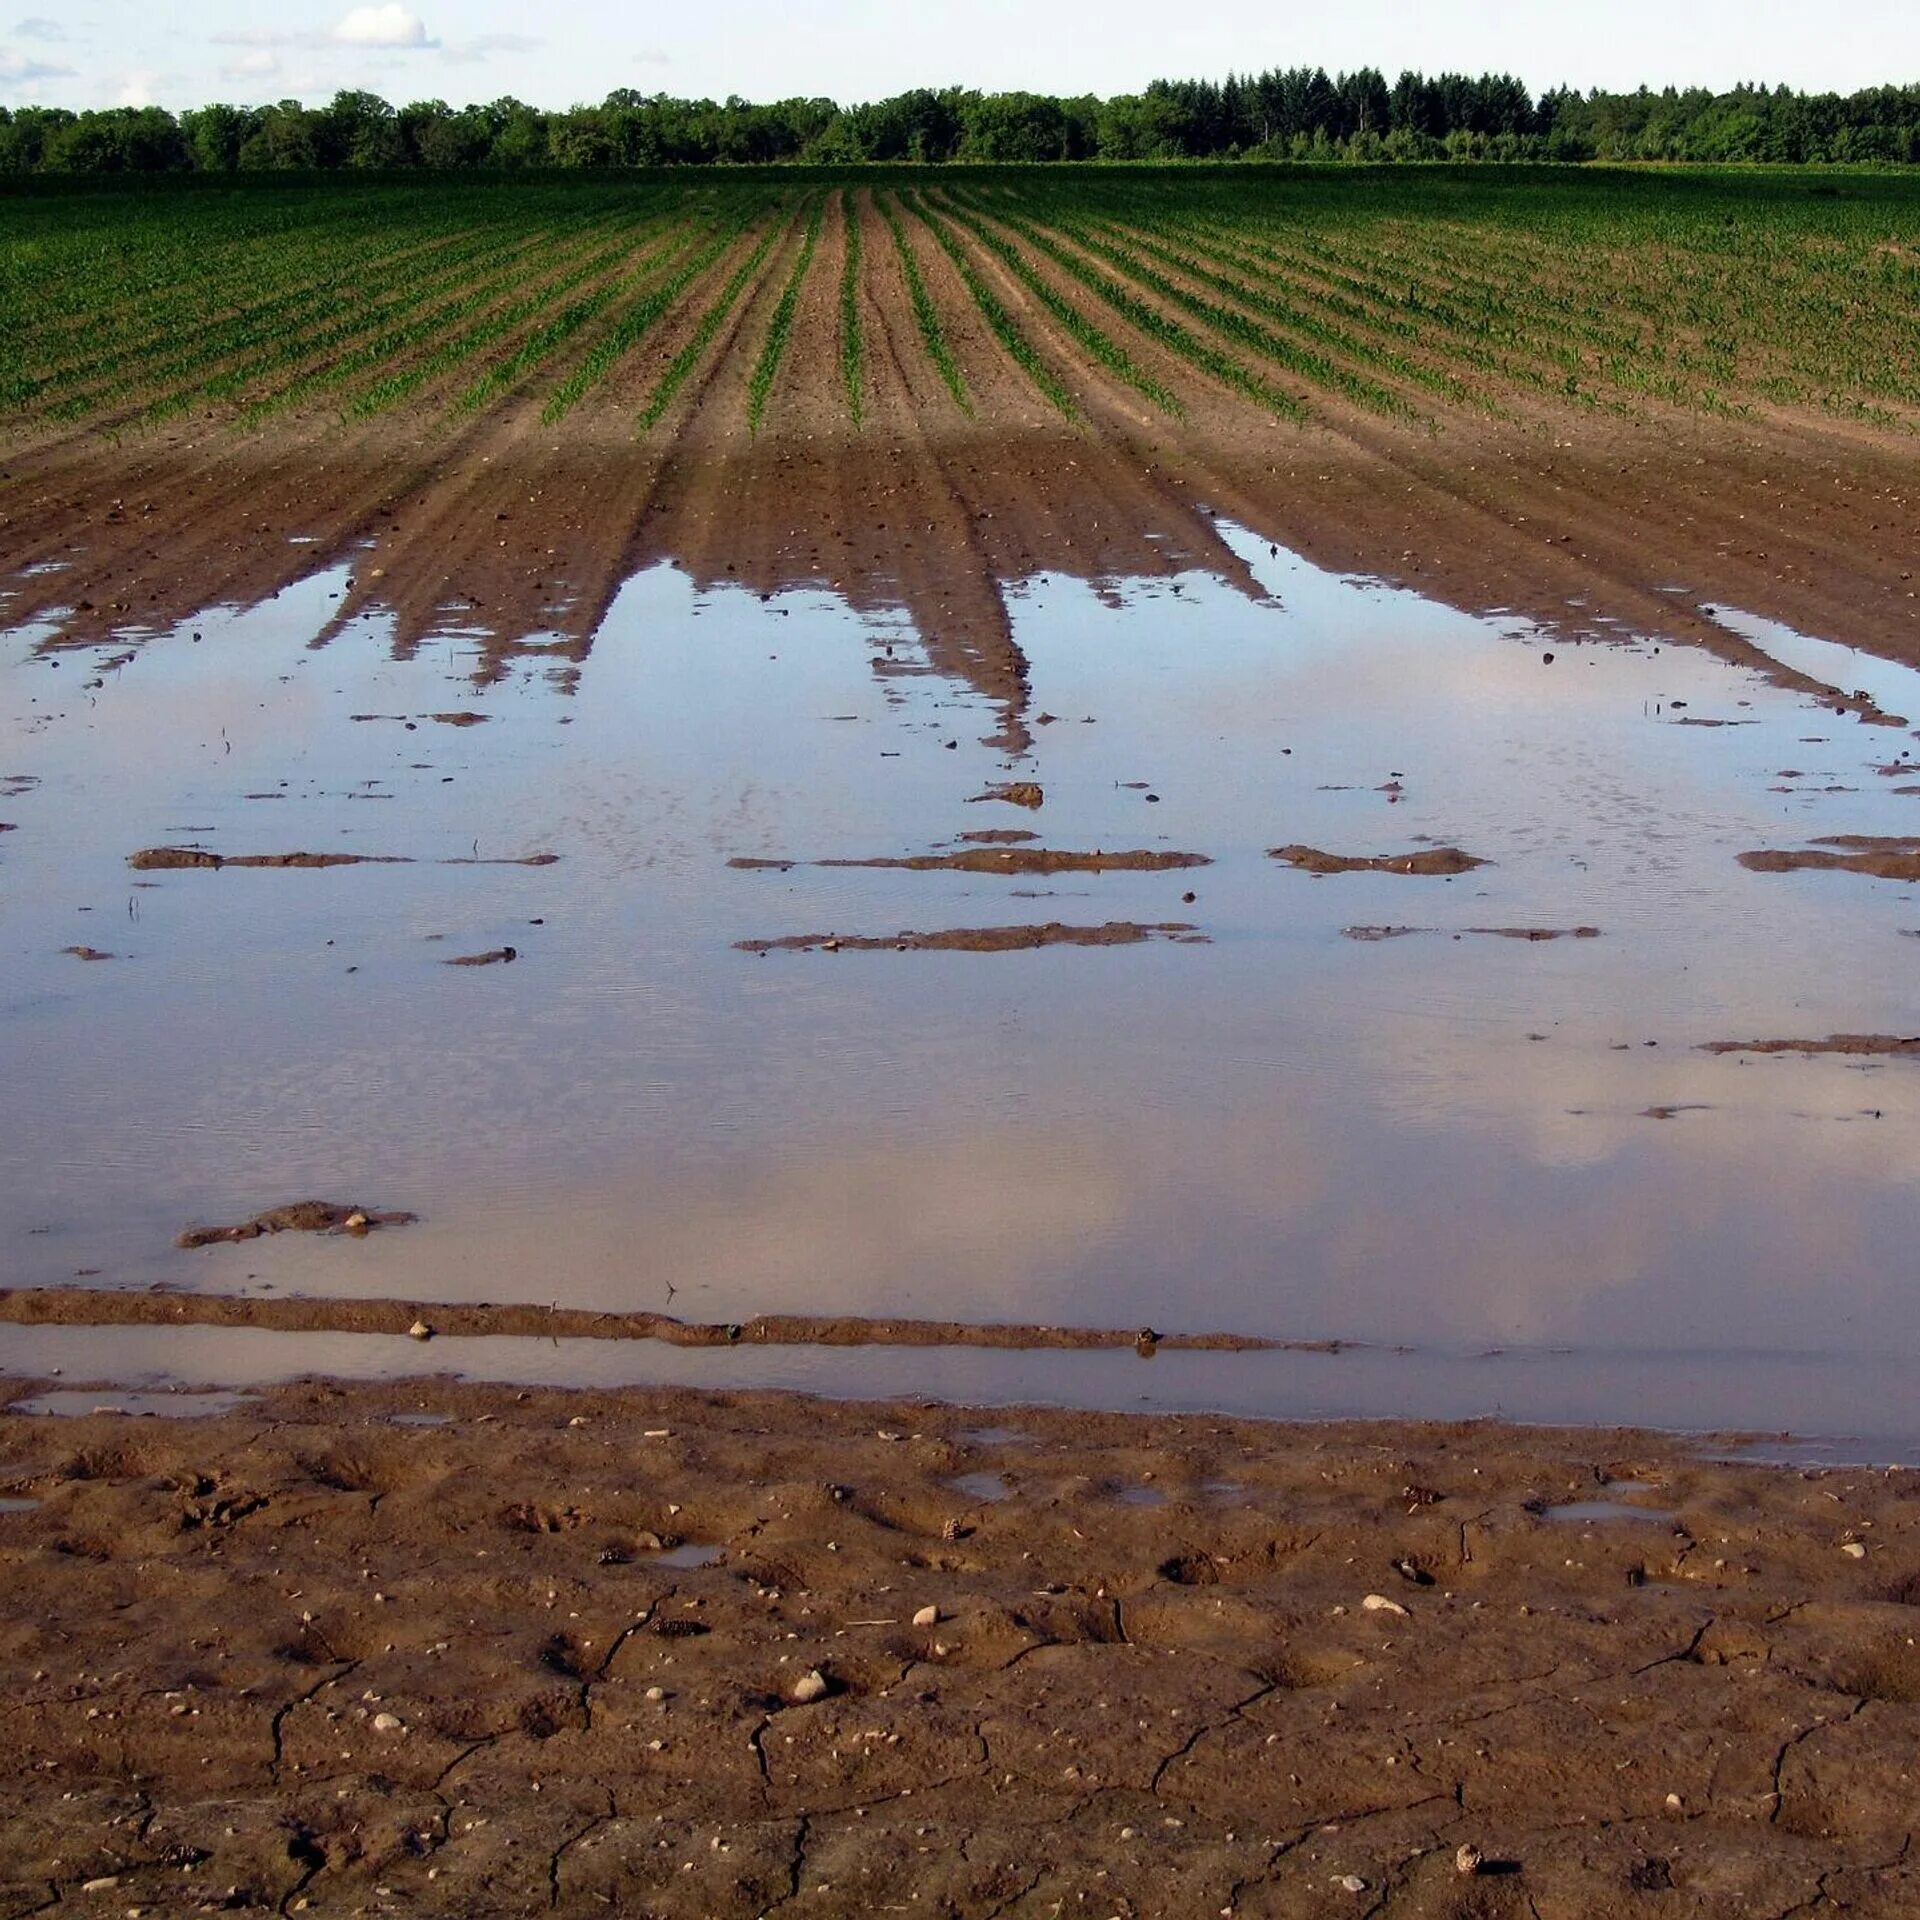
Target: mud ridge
1021,939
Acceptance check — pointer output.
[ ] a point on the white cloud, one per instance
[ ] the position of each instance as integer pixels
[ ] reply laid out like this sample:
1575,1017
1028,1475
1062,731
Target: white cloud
136,90
466,53
386,26
260,64
38,27
17,70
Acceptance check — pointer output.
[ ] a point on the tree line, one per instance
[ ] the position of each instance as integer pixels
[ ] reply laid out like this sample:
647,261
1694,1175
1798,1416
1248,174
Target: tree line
1293,114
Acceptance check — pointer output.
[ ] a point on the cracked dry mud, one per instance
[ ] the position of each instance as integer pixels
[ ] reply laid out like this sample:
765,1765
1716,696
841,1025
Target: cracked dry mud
306,1658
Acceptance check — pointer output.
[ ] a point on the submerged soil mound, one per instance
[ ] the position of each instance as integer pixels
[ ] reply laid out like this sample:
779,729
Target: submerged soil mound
1429,860
302,1216
1114,933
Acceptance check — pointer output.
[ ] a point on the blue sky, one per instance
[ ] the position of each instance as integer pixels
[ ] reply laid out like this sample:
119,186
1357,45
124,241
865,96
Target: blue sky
104,52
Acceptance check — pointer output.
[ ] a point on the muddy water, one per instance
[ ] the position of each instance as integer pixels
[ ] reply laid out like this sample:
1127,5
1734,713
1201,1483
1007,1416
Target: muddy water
1441,1144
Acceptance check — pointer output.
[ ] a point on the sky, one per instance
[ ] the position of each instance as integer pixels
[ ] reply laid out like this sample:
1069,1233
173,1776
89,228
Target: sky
181,53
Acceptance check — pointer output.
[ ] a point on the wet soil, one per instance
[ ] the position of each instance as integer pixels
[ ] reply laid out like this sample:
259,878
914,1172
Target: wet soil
95,1307
303,1657
302,1216
1020,939
1847,1043
1584,526
1031,860
183,859
1878,856
1489,933
1429,861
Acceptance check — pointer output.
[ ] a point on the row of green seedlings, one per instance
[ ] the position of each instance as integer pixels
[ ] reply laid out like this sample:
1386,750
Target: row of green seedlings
780,330
69,299
420,322
394,388
646,313
1396,292
1230,321
1409,309
1547,341
852,348
306,285
926,316
546,340
345,321
168,355
1000,323
1094,339
1148,320
99,270
1685,307
1296,321
675,374
1300,302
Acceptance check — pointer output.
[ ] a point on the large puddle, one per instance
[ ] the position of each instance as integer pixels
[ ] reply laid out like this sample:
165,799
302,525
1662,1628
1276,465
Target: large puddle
1359,1110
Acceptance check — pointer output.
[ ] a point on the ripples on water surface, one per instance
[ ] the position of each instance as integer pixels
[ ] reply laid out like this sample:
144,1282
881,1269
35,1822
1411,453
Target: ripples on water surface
1423,1141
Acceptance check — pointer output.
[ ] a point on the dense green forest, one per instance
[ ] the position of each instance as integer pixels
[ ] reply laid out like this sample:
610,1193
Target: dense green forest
1297,114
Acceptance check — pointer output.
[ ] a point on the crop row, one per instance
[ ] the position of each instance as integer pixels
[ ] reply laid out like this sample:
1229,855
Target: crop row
1401,299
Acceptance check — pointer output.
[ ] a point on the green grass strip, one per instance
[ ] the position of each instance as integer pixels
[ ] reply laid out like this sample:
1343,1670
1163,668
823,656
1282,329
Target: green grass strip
852,347
1005,328
641,319
933,335
1160,326
767,368
711,322
1104,348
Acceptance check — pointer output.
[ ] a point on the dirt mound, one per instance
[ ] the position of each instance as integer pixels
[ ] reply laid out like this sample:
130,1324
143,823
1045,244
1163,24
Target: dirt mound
1429,860
1852,1043
302,1216
1879,857
1114,933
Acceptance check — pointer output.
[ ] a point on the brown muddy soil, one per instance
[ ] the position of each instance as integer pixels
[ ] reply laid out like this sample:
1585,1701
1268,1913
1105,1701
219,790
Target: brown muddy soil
1857,1043
1589,526
100,1307
559,1655
301,1216
1879,857
1019,939
1031,860
183,859
1430,861
1488,933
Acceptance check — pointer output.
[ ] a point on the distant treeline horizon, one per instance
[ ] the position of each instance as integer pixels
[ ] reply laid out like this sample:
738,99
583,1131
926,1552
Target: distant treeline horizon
1296,114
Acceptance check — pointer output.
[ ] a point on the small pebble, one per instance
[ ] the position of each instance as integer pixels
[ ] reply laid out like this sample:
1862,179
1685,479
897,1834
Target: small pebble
927,1617
811,1686
1469,1859
1379,1603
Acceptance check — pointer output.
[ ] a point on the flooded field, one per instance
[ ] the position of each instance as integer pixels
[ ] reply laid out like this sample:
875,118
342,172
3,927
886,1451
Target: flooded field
730,966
